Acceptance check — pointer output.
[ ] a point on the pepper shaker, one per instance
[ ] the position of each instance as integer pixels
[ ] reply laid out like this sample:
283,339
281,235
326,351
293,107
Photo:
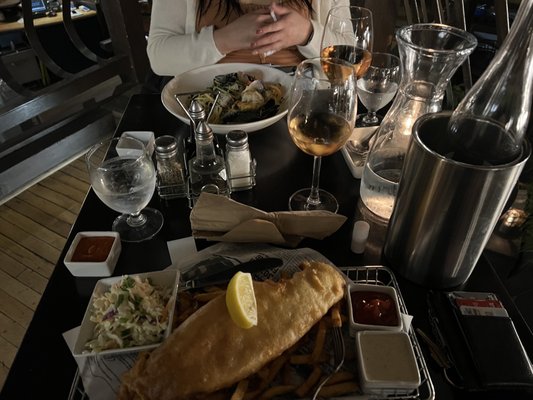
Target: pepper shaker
170,170
240,166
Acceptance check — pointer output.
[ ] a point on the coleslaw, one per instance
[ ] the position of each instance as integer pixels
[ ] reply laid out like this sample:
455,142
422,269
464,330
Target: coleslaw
132,313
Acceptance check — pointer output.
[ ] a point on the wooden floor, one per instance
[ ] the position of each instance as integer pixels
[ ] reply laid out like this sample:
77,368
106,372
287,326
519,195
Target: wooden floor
33,230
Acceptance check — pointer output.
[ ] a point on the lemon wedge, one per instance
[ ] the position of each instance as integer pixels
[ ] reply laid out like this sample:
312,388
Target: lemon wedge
240,300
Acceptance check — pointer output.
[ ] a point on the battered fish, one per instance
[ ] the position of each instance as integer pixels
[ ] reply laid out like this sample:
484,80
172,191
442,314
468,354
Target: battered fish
209,351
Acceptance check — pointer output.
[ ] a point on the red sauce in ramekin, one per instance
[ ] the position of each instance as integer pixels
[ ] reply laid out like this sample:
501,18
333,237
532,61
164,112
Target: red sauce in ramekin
373,308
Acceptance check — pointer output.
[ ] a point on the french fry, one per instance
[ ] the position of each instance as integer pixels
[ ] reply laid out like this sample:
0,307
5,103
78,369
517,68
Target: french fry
336,319
341,376
205,297
338,389
213,289
263,373
287,374
253,394
240,390
311,381
277,391
285,275
301,359
275,367
319,341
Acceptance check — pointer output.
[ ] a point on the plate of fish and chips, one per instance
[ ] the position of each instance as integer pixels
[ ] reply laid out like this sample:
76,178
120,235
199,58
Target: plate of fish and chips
252,96
285,356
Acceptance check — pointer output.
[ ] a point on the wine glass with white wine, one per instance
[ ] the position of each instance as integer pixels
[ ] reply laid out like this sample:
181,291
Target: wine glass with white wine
378,86
322,110
348,35
123,176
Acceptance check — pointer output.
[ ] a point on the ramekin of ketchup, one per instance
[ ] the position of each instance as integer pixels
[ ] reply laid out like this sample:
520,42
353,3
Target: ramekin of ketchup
374,307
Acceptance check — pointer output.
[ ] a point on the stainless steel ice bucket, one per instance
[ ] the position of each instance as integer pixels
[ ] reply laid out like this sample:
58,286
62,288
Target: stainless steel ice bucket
445,211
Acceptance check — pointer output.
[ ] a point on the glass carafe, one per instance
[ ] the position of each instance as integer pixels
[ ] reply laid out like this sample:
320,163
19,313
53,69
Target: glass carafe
430,54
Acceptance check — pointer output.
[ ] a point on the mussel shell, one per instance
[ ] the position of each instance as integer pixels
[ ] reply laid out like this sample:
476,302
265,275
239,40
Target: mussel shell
240,117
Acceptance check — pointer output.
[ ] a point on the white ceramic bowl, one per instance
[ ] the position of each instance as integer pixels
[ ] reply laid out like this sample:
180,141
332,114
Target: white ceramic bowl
94,258
386,363
201,78
166,279
390,308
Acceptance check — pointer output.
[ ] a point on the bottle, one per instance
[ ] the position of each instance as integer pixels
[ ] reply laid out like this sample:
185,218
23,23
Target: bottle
207,169
241,169
488,126
171,182
430,54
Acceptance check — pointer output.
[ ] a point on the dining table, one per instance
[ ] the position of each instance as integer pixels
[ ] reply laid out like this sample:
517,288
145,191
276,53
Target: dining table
44,367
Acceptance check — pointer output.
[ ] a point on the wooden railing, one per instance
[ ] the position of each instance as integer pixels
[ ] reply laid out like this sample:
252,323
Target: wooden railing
42,129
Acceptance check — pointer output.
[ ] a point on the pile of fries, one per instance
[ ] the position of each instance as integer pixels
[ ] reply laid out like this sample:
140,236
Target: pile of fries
296,373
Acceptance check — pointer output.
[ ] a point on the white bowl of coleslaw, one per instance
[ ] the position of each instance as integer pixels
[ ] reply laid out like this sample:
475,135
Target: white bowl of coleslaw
128,314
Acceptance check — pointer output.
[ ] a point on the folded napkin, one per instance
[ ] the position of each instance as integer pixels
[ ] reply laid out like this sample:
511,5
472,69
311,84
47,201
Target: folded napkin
219,218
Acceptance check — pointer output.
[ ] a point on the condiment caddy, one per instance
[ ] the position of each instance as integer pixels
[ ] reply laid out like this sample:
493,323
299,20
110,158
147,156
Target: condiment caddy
207,167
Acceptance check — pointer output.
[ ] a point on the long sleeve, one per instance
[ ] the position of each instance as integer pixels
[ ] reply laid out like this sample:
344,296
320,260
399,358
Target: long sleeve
174,46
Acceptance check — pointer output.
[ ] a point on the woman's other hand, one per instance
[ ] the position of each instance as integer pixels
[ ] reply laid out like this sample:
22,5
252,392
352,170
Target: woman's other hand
290,29
241,33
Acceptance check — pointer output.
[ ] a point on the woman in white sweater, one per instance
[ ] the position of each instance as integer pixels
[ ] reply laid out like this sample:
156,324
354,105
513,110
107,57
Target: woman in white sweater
185,34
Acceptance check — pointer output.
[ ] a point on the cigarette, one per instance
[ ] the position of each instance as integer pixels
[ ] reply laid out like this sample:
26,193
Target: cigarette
273,15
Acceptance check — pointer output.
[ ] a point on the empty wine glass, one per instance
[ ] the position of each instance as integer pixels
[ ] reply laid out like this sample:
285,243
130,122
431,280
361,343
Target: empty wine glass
123,176
321,116
348,35
378,86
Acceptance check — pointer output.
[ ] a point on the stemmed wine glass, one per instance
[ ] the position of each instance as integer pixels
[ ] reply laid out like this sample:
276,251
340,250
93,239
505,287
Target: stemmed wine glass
321,116
123,176
378,86
348,35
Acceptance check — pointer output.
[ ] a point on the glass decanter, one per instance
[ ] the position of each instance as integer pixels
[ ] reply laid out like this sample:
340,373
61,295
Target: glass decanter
430,54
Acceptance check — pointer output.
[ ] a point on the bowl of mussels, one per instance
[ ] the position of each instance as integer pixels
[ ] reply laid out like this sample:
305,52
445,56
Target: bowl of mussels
243,96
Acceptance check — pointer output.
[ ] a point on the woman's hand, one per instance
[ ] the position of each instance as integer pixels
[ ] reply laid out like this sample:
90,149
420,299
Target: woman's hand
241,33
291,29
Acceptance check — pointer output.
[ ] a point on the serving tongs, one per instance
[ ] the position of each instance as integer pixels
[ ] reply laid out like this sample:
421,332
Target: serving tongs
186,110
193,93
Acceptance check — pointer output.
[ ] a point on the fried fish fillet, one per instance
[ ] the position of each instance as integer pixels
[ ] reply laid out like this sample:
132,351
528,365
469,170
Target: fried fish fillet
209,351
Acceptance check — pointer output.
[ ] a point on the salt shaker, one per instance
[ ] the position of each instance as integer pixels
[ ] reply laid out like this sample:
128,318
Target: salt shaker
241,168
170,170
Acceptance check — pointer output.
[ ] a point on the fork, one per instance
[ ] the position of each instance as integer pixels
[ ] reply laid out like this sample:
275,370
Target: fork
338,355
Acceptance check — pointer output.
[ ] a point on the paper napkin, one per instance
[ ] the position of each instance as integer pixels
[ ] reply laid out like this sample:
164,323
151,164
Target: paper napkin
219,218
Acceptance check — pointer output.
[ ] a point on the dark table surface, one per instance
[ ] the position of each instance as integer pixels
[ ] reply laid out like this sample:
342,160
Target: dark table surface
44,368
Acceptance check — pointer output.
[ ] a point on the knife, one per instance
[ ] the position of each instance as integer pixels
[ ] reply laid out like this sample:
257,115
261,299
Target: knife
221,277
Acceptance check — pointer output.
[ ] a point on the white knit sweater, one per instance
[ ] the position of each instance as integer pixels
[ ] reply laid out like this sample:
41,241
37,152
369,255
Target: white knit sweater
174,46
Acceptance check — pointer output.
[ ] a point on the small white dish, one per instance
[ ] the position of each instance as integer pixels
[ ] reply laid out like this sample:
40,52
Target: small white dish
386,363
168,279
355,160
146,137
380,311
93,254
